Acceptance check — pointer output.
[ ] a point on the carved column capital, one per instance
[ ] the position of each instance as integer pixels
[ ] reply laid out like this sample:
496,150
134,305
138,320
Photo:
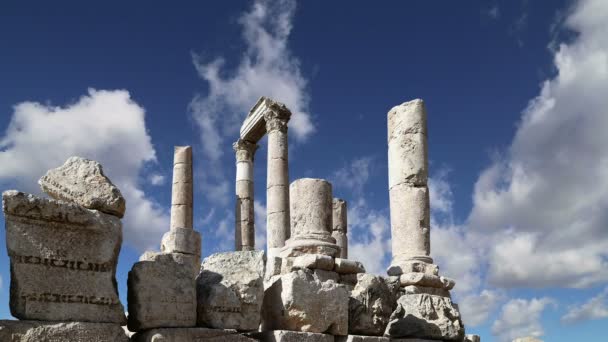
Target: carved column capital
276,117
245,150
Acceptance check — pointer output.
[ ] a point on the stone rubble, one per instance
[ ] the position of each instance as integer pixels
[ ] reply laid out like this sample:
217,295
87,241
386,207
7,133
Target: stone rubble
83,182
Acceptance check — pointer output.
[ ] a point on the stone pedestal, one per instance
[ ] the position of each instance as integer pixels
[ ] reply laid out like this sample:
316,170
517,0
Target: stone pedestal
340,226
63,260
311,218
244,209
408,173
277,189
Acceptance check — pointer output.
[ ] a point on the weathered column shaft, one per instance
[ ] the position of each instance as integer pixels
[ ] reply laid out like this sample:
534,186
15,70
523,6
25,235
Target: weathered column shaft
311,209
244,209
181,197
408,173
277,190
340,226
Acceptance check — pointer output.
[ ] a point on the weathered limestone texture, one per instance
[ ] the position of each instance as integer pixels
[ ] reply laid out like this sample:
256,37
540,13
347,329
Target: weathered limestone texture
408,172
181,197
245,227
345,266
293,336
340,226
426,316
189,334
310,261
63,260
360,338
311,218
82,181
426,280
299,301
370,306
161,293
181,240
230,290
277,185
37,331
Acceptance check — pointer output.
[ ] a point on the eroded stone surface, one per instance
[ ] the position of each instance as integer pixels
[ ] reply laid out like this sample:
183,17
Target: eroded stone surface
82,181
425,316
370,305
63,260
230,290
190,334
426,280
299,301
293,336
345,266
37,331
360,338
161,293
181,240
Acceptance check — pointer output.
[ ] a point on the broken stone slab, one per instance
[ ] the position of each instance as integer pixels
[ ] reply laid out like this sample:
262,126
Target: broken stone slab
63,260
299,301
292,336
39,331
190,334
230,290
408,266
181,240
426,280
83,182
370,306
161,293
425,316
345,266
360,338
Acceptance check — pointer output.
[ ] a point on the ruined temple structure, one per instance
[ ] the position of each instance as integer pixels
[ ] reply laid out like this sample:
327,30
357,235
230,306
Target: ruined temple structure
64,250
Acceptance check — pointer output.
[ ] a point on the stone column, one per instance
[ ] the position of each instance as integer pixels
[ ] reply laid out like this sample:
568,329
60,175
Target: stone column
277,190
311,209
181,196
409,194
340,226
244,238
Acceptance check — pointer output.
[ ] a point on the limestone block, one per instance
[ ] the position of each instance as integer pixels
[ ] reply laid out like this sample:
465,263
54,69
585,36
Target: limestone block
292,336
189,334
299,301
273,266
38,331
370,305
324,275
161,293
425,316
408,266
181,240
415,289
360,338
63,260
182,155
311,261
407,151
410,221
471,338
345,266
82,181
426,280
189,261
301,246
310,207
230,290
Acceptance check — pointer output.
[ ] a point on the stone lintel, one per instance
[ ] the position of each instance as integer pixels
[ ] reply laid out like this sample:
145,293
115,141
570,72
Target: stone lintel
254,126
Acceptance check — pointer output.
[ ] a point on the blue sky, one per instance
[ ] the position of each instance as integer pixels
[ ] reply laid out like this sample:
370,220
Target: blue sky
515,93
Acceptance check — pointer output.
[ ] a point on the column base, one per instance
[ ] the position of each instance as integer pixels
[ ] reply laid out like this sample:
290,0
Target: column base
304,245
408,264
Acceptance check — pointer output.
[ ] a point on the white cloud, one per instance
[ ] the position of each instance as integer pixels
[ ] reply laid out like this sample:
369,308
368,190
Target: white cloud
594,308
544,207
475,309
106,126
259,210
520,317
369,239
353,176
156,179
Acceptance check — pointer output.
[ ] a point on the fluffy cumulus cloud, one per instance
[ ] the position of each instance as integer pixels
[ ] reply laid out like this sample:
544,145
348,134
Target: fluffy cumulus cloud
476,308
267,68
546,202
594,308
520,317
106,126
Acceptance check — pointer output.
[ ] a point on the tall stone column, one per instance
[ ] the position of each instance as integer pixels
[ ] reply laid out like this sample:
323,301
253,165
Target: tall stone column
339,222
409,194
244,211
182,240
277,190
311,209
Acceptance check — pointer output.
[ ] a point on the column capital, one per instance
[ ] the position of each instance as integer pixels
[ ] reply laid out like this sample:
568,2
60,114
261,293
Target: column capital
276,116
245,150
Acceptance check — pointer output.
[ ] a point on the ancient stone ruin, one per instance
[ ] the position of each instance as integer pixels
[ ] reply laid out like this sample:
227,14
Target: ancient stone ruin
63,253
